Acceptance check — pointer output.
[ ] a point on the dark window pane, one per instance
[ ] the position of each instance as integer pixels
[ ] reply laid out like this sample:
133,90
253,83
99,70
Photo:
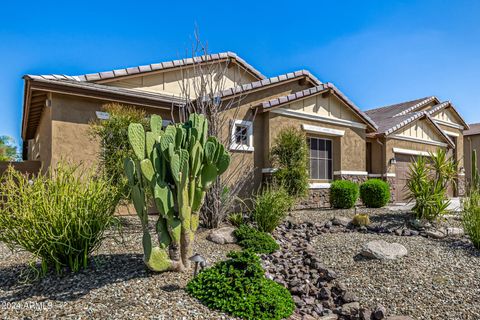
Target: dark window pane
241,136
323,151
314,169
328,148
330,169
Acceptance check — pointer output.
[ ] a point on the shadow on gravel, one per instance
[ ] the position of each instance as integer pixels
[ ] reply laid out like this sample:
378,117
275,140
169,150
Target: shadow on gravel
460,244
390,220
105,270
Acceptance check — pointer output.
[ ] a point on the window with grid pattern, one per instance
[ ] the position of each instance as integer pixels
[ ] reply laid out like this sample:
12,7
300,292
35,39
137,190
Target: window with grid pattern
321,164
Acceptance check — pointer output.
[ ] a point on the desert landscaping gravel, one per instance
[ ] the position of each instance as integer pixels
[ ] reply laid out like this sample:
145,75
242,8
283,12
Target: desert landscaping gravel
117,287
438,279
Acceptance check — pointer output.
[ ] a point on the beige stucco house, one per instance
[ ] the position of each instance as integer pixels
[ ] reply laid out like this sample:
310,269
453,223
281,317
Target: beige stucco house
410,129
345,143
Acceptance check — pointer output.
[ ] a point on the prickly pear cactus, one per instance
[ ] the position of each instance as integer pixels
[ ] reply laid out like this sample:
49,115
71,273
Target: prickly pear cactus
178,164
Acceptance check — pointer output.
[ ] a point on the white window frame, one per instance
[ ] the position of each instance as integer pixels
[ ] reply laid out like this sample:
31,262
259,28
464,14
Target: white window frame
234,146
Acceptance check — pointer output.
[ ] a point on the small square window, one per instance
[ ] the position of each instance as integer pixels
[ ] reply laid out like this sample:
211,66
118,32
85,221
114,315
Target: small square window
242,136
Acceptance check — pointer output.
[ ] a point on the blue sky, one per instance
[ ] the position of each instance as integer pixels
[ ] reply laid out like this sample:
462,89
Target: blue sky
376,52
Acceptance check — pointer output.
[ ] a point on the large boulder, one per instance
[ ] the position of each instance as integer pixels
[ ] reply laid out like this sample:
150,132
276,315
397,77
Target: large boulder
383,250
222,235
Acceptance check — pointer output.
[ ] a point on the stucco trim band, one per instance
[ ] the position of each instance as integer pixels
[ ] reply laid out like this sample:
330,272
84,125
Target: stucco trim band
451,133
425,141
313,116
317,185
379,175
350,173
323,130
411,152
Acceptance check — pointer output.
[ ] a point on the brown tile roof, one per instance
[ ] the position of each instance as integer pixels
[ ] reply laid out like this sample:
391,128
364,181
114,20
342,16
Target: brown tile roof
384,113
324,87
106,75
474,129
265,82
95,87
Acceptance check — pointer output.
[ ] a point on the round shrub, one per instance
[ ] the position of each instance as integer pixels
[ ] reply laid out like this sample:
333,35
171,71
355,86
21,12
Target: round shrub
254,240
238,286
375,193
343,194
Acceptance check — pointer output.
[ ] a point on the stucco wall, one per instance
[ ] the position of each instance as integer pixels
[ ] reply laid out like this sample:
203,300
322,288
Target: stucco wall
171,81
41,145
352,143
71,117
377,165
459,143
471,143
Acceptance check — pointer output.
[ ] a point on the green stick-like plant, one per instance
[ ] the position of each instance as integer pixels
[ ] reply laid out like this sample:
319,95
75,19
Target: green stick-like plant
178,164
60,216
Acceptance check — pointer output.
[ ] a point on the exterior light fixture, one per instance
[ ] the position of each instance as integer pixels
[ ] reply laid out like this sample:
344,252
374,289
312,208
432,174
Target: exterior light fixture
392,161
198,260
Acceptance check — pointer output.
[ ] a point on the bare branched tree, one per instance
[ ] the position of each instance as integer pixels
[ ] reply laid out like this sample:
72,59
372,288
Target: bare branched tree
203,87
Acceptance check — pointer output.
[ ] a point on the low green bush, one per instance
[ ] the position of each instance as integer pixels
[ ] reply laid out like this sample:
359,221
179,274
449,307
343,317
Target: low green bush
271,207
60,217
257,241
375,193
238,287
471,217
343,194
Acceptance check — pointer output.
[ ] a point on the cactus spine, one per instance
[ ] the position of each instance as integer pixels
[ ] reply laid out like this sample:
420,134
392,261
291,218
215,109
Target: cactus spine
178,164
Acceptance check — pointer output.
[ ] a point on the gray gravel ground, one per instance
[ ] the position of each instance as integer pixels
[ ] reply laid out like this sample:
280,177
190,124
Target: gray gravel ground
117,287
438,279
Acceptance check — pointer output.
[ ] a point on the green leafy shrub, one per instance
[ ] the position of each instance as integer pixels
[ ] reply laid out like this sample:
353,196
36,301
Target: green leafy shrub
238,287
361,219
270,208
290,156
60,217
236,219
427,183
343,194
471,217
375,193
114,146
250,238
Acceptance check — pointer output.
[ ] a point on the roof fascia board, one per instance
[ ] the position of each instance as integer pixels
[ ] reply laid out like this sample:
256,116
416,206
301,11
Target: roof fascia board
319,118
61,87
424,141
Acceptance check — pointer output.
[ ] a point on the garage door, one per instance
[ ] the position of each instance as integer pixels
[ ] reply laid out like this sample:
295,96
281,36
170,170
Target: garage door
401,175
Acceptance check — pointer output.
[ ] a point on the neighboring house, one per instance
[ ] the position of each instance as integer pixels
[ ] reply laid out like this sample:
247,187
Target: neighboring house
344,142
410,129
471,142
